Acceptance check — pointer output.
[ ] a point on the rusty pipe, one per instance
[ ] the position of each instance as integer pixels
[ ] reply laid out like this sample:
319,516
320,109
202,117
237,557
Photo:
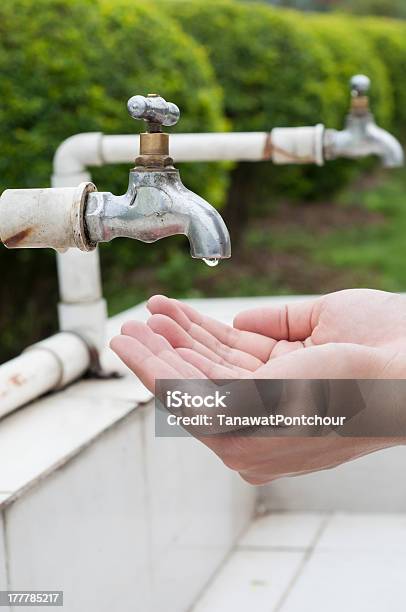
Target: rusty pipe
47,366
45,218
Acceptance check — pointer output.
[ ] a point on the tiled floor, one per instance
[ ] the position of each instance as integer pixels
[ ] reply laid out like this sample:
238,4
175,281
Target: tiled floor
309,562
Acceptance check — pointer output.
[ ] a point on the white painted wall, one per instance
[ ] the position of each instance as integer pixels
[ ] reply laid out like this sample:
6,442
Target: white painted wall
84,529
375,483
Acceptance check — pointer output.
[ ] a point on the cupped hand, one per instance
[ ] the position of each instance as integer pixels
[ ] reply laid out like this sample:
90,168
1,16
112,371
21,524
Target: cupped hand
349,334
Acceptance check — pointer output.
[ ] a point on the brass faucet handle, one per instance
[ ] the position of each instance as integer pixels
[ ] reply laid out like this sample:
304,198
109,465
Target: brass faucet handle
360,85
154,110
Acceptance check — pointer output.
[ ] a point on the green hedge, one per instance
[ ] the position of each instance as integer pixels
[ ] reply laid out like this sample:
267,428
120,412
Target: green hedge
272,68
68,66
351,49
389,40
283,68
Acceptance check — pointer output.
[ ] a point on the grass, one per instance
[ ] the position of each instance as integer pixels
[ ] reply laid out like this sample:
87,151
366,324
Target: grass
377,248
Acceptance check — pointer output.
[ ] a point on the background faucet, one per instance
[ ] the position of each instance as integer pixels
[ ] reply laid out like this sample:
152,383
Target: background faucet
361,136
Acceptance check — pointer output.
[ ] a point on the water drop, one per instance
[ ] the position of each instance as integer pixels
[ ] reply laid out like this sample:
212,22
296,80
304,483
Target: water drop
211,262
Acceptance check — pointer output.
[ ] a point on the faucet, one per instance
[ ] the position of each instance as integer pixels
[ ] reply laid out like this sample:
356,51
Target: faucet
361,136
156,203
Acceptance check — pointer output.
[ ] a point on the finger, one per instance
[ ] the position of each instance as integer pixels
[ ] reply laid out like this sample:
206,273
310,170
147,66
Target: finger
295,321
257,479
145,364
178,337
212,349
240,348
160,304
245,341
212,370
160,347
186,315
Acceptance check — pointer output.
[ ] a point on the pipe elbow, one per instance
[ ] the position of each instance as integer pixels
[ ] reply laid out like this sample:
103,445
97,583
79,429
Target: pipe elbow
75,154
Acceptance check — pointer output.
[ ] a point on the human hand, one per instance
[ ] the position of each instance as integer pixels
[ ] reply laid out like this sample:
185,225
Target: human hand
357,334
178,342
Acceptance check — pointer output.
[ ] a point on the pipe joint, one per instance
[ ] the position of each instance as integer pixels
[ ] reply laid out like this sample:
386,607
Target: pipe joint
298,145
45,218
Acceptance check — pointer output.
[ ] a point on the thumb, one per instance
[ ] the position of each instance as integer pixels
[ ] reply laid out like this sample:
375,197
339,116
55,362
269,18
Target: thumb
294,321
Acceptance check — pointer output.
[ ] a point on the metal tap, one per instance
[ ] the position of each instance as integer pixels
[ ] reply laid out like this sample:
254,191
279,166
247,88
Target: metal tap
361,136
156,203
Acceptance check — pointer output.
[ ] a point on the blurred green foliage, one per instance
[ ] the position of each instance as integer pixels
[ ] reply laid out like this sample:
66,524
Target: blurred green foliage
384,8
283,68
68,66
275,72
260,56
388,38
352,51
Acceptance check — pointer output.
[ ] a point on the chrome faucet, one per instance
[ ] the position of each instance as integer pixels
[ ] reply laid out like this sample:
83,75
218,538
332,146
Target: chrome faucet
361,136
156,203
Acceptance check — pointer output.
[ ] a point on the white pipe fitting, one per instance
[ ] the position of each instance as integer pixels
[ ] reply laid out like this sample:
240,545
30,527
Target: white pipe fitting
74,155
300,145
47,366
45,218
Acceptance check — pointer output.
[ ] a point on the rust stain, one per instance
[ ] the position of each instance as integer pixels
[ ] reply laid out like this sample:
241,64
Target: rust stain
267,152
291,156
17,380
269,148
13,241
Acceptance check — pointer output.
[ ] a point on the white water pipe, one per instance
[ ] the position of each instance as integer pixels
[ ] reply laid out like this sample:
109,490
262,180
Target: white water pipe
45,218
47,366
78,152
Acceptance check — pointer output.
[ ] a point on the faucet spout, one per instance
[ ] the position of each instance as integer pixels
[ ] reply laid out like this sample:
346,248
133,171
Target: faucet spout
155,206
362,137
388,148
